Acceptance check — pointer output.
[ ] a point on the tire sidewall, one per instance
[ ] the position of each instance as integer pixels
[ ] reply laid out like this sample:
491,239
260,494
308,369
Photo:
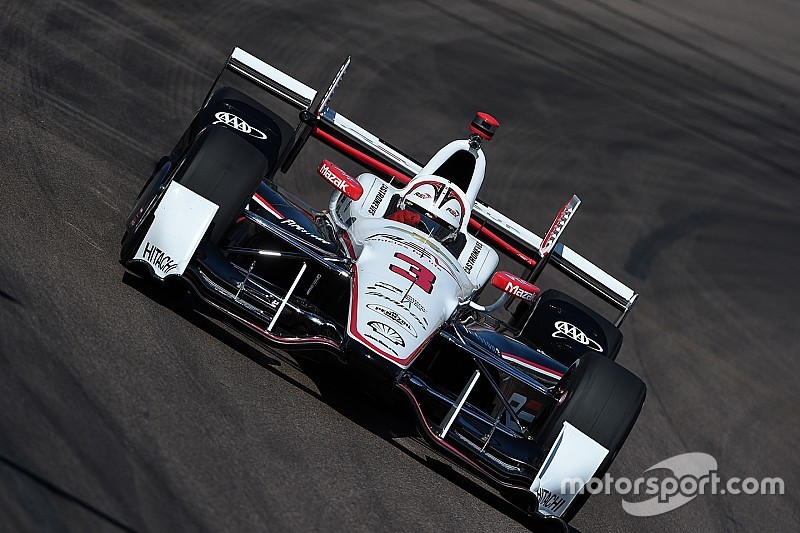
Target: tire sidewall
600,398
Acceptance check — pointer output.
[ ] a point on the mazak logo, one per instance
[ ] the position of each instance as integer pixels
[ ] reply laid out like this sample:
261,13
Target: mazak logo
519,292
565,330
333,179
337,177
233,121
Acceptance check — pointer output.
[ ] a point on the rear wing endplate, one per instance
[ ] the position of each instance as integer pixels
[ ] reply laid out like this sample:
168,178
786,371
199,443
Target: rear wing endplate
506,235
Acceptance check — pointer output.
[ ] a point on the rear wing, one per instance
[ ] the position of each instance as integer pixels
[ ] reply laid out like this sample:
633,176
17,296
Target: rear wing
268,78
318,119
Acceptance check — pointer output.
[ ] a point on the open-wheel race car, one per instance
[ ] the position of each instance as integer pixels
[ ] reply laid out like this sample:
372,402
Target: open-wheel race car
523,391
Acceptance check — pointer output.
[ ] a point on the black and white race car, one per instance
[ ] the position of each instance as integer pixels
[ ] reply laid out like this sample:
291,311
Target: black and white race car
387,277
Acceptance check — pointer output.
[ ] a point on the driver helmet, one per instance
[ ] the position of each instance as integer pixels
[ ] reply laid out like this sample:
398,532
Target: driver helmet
439,203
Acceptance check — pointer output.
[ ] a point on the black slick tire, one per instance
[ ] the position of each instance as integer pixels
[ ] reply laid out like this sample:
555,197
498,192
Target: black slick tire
603,400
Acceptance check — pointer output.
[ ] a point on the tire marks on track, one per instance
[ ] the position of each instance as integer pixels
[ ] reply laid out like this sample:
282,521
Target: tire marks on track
662,85
657,8
687,44
709,97
97,16
587,51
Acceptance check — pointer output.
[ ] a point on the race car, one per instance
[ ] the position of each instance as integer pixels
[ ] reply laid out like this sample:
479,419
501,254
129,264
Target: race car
523,391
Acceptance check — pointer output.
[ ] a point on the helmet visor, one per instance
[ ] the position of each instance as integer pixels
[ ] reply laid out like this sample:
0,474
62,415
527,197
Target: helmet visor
431,224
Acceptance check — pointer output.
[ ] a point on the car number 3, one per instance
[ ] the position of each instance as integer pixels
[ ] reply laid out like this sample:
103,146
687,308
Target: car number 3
414,271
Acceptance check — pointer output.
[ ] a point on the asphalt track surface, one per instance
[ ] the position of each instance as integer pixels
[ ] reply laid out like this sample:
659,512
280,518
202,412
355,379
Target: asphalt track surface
676,123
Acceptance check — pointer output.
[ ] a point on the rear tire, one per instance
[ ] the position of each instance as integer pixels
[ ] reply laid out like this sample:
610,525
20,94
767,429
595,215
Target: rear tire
603,400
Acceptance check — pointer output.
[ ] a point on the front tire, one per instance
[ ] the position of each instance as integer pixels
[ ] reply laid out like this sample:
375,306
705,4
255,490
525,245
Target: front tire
603,400
220,166
225,169
141,215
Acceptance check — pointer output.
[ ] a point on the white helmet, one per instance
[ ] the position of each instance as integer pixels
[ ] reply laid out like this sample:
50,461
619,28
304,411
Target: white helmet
440,204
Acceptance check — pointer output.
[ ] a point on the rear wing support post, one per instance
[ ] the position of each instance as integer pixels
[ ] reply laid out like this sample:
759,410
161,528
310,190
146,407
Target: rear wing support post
310,116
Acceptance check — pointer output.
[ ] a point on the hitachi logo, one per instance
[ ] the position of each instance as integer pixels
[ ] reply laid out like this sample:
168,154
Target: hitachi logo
549,500
519,292
156,257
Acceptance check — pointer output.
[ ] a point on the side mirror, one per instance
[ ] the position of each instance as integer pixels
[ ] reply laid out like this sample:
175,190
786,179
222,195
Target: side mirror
515,286
340,179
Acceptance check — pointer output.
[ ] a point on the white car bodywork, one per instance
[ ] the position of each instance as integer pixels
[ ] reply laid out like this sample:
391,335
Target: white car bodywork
181,220
404,275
